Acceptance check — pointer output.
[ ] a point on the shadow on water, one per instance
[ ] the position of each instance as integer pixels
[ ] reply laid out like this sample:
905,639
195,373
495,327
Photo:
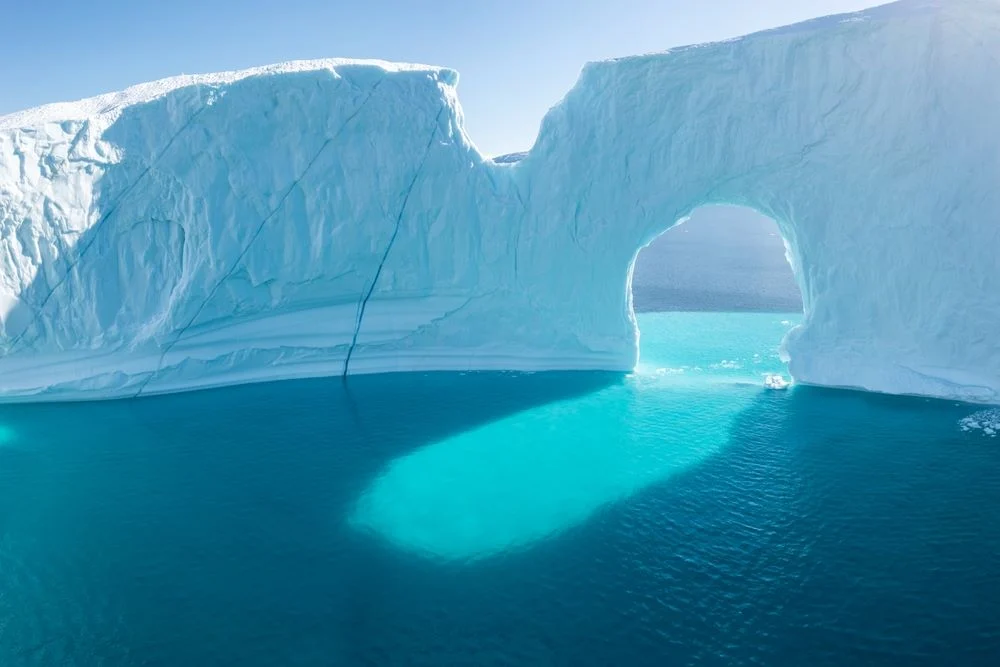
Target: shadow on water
513,482
374,418
721,525
833,528
528,477
172,512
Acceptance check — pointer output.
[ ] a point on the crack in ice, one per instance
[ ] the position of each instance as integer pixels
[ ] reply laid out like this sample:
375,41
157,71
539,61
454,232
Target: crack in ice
388,248
93,231
260,227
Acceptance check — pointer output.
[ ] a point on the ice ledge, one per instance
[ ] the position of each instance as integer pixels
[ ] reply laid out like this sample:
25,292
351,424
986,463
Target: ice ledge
111,104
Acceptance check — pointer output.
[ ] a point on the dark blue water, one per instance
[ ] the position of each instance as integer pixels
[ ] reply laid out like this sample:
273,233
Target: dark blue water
718,524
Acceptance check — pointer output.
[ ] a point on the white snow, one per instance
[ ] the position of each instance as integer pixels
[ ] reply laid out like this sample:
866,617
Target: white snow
111,104
319,217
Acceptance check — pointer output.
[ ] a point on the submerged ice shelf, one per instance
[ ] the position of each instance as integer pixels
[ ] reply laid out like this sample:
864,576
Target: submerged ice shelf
332,217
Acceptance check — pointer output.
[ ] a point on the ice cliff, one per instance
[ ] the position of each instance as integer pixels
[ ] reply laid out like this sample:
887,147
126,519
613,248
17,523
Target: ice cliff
331,217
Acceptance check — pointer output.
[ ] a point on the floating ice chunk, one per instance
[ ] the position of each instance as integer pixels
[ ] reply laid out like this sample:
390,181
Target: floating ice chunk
772,381
987,421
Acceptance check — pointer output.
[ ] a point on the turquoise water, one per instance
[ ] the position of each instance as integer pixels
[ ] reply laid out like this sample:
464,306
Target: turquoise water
683,514
527,476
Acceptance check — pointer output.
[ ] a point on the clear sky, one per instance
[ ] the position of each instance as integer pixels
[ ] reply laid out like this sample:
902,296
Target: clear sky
516,57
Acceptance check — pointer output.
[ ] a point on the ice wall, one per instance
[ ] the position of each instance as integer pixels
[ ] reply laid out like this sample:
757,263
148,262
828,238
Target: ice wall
330,217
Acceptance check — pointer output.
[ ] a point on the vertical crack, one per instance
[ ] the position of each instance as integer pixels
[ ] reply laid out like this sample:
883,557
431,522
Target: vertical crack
517,232
253,237
363,304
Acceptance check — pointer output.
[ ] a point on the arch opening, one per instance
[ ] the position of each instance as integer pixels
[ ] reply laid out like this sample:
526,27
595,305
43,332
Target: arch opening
714,295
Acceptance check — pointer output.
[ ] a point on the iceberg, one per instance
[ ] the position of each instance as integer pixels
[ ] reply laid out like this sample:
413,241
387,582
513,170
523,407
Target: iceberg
333,217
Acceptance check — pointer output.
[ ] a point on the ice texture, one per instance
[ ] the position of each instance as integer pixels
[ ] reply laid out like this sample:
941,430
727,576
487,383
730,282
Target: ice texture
333,217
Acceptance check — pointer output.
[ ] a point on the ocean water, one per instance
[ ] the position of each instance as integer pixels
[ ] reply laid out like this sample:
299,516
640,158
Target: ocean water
680,515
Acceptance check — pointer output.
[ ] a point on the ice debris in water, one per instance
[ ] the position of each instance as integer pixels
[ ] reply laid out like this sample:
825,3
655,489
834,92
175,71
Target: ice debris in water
987,421
773,381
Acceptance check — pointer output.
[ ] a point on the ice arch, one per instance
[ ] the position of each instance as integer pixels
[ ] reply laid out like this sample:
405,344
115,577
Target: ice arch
868,138
332,217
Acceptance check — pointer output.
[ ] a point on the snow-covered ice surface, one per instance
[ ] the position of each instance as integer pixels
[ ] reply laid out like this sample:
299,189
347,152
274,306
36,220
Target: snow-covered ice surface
323,217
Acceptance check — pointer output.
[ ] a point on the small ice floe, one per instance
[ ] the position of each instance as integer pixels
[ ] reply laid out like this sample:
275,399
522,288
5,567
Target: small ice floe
776,382
987,421
727,364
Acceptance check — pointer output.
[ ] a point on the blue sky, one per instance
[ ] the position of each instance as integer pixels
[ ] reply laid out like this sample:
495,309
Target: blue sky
516,58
